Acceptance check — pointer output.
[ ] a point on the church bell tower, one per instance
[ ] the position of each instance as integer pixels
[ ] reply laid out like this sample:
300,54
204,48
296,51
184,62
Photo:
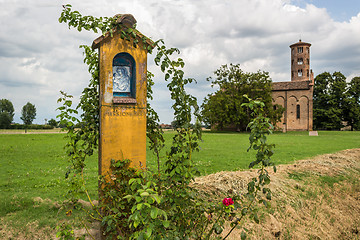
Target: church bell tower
300,61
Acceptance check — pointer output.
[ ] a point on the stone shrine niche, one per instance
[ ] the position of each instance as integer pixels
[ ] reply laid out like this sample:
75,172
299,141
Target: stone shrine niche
122,96
124,77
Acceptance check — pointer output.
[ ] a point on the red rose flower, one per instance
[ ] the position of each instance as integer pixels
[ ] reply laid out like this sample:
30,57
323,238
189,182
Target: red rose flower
228,201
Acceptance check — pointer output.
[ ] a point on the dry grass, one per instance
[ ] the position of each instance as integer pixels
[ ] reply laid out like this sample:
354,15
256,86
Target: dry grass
317,198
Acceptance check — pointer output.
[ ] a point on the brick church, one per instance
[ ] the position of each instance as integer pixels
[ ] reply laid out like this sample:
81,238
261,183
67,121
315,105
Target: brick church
296,96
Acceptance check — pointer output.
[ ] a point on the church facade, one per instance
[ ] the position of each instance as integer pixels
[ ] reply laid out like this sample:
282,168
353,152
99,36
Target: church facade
296,96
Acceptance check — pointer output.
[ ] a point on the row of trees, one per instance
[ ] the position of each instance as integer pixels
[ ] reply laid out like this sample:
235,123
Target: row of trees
224,109
336,102
28,113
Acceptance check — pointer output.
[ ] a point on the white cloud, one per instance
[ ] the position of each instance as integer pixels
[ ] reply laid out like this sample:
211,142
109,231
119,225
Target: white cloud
39,56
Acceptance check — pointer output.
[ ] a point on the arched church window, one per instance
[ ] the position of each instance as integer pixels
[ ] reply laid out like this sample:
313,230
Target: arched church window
300,73
298,111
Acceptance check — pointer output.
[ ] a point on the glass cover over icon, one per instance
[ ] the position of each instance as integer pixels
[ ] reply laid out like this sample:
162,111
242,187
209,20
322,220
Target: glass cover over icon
121,79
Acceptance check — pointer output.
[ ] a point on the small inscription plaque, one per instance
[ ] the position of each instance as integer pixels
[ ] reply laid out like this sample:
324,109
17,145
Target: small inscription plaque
123,112
124,100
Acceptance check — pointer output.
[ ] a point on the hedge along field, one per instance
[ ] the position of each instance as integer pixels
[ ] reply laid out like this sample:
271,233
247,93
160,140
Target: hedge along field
34,165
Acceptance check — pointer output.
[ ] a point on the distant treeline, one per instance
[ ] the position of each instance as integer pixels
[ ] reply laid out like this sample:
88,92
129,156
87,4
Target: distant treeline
31,126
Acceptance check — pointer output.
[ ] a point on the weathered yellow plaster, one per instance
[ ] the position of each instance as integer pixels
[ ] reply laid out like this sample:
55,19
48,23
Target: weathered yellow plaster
122,126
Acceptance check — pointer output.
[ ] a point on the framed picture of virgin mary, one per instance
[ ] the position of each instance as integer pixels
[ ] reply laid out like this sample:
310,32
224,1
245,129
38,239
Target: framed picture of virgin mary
124,77
121,79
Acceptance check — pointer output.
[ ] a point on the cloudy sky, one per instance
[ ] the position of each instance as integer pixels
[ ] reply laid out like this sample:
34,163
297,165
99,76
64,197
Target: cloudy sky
39,56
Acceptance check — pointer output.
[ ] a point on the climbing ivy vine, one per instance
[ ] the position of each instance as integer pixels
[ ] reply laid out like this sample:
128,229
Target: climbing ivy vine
137,204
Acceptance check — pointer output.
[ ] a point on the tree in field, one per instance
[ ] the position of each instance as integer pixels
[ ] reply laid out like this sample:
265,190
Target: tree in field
224,108
53,122
28,113
6,113
352,108
175,124
330,98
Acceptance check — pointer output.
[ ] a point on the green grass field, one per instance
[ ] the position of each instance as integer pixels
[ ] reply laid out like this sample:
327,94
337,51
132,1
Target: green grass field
228,151
33,165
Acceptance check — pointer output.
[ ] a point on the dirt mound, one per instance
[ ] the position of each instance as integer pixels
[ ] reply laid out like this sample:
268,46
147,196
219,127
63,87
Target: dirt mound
316,198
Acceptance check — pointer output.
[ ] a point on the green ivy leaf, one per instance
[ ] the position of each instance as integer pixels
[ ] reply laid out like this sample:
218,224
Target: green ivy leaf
144,194
154,213
139,206
166,224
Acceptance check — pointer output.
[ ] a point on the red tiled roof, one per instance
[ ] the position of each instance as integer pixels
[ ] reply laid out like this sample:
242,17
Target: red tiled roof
300,43
295,85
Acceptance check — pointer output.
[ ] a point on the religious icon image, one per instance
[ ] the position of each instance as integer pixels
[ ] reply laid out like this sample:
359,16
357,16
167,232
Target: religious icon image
121,78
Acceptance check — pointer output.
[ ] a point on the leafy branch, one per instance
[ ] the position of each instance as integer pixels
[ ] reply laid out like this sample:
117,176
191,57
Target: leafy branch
142,204
260,127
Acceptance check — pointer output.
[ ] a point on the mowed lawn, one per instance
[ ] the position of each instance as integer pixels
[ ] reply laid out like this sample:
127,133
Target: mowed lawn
228,151
34,165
